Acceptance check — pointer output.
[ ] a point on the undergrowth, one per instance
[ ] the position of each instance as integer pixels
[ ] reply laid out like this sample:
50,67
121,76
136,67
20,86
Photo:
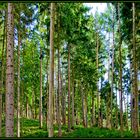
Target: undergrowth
30,129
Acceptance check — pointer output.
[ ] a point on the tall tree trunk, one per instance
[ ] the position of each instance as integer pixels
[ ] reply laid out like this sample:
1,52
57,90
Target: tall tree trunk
93,110
4,65
69,88
136,119
51,77
108,116
132,89
120,73
63,104
84,107
22,107
10,73
2,76
22,94
83,99
27,107
108,104
98,96
127,112
125,103
85,110
55,107
47,95
73,116
40,103
33,103
112,82
18,84
58,97
116,107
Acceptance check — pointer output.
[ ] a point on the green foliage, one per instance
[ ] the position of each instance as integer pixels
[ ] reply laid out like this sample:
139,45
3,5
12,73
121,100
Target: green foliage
98,133
30,129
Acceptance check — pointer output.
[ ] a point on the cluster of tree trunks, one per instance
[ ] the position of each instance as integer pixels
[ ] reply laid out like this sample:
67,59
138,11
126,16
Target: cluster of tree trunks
61,97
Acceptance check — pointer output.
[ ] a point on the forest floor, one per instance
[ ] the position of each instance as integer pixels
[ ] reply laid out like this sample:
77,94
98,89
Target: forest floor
31,129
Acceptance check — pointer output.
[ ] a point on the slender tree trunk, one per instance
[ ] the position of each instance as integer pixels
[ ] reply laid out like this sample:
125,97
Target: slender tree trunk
101,104
55,107
47,98
10,73
132,89
40,103
108,116
2,76
98,96
69,126
51,77
58,97
125,103
27,107
108,113
112,82
120,73
4,64
83,104
18,84
93,110
33,103
136,119
61,95
127,112
85,110
63,105
22,95
73,116
22,108
116,108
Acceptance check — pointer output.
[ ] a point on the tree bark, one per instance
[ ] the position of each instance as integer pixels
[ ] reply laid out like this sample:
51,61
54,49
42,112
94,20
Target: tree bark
83,112
18,84
40,103
2,76
69,88
10,73
125,103
136,119
63,105
73,114
112,82
97,63
108,113
51,77
132,89
93,110
58,97
116,108
27,107
47,96
84,107
120,73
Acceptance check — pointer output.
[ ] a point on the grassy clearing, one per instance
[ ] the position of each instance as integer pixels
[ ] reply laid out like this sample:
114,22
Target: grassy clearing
30,129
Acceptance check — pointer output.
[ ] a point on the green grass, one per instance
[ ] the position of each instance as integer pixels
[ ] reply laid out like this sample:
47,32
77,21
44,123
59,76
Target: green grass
30,129
96,132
